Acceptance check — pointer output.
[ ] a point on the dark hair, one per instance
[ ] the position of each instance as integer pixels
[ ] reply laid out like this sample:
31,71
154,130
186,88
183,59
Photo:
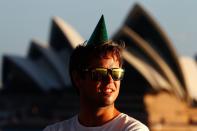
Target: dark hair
83,54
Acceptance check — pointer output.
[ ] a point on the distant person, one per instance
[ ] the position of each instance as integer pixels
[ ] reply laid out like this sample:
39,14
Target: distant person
96,72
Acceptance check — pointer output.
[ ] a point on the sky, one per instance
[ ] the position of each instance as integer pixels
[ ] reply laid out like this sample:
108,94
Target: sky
24,20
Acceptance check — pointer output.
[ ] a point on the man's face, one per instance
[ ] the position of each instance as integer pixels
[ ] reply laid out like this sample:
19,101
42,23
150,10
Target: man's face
100,92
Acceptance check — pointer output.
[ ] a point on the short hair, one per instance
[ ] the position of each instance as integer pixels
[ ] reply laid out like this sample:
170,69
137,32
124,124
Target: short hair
83,54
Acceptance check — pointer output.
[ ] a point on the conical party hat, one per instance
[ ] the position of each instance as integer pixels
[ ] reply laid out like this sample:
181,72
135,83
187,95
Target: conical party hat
99,35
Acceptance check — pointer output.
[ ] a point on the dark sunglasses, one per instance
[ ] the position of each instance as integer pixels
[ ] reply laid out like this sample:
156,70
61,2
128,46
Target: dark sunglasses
102,73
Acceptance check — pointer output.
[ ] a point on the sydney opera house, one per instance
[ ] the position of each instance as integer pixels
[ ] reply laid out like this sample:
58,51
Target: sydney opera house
159,87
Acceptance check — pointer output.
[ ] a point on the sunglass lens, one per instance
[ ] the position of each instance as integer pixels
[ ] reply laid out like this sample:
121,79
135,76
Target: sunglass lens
117,74
99,74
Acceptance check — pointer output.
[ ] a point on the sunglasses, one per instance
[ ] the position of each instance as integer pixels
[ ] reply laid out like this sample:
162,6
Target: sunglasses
103,73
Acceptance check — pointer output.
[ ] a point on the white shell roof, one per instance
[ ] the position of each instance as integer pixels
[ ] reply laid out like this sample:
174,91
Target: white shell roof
34,71
54,61
69,32
189,67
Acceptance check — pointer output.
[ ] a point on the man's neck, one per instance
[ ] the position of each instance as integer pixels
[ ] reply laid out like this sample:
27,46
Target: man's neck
98,116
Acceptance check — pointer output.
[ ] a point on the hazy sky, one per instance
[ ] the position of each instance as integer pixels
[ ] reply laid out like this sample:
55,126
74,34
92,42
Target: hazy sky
22,20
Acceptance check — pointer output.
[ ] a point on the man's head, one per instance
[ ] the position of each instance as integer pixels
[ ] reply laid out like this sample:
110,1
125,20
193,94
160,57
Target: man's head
90,65
96,69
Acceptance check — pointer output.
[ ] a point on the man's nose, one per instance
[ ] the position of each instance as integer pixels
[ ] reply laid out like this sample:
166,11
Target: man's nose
109,78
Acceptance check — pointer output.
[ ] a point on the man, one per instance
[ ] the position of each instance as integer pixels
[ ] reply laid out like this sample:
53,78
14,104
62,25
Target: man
96,72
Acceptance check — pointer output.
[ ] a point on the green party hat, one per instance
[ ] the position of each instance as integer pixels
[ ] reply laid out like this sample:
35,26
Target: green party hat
100,33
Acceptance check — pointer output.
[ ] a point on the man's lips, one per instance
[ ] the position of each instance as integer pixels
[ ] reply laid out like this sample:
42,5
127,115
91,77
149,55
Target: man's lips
107,90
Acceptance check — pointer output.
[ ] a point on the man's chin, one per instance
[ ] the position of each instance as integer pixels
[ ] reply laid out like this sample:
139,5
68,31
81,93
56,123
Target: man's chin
106,103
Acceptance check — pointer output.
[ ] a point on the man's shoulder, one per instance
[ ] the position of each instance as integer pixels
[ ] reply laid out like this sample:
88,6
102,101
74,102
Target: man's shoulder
60,126
133,124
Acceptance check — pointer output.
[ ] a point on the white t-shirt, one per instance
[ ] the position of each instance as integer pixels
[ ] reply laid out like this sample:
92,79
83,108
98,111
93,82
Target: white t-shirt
122,122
